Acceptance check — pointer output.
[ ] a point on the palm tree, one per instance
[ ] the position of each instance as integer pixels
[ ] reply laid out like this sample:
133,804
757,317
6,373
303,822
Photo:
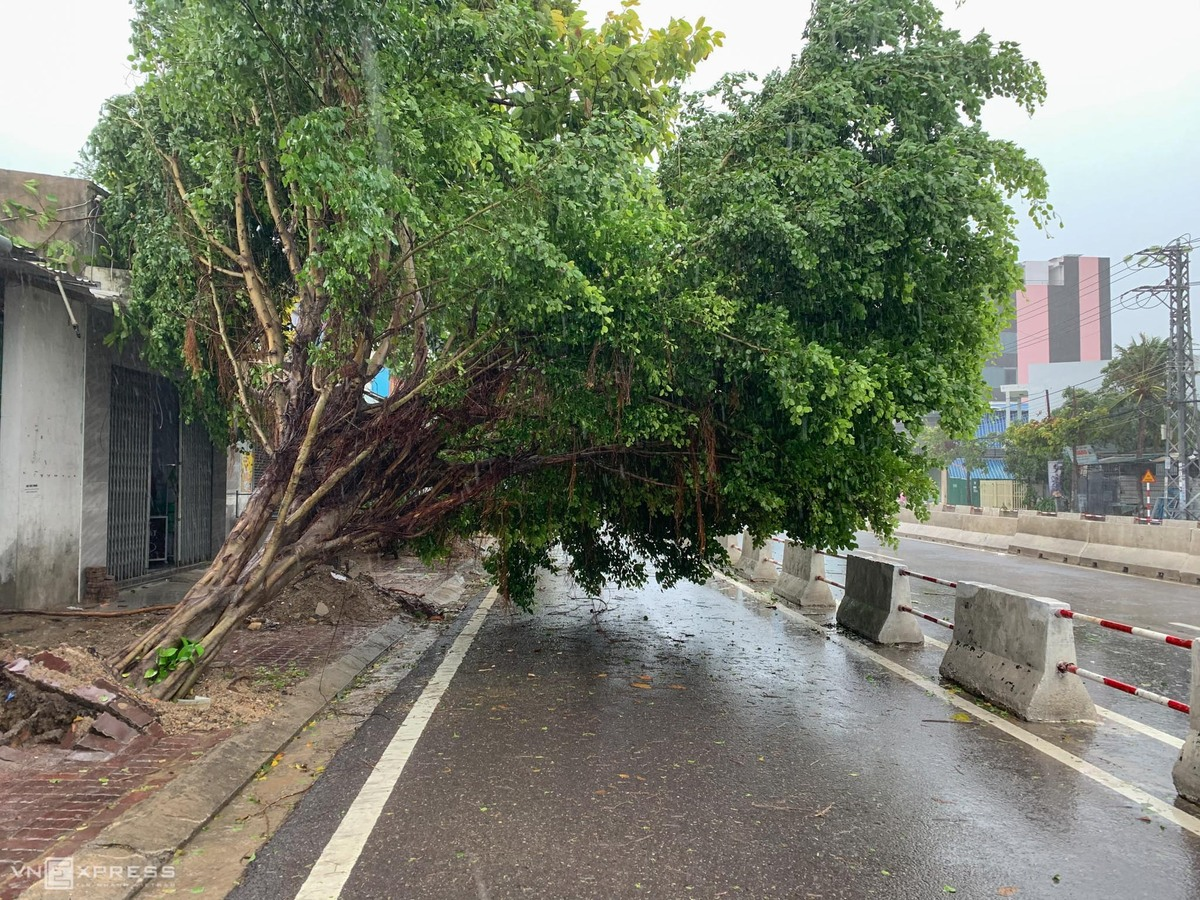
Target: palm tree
1139,374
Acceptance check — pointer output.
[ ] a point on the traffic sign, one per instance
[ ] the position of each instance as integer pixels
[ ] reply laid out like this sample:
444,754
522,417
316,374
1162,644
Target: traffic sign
1148,478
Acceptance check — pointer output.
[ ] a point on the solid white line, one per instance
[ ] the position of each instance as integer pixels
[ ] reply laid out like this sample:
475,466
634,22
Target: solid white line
337,860
1186,625
1082,766
1148,730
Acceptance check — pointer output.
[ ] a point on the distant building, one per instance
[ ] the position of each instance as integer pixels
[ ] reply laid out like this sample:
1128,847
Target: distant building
1063,315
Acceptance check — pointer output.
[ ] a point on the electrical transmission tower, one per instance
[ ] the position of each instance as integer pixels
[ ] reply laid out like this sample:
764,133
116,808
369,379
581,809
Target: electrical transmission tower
1182,500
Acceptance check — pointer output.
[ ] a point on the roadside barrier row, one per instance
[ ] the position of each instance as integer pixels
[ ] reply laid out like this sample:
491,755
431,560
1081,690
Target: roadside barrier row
1013,649
1127,688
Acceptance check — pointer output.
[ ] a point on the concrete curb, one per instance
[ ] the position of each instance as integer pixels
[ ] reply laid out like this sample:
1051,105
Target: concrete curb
148,835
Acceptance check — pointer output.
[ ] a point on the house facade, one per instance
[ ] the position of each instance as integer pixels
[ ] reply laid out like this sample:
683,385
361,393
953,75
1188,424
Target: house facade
102,482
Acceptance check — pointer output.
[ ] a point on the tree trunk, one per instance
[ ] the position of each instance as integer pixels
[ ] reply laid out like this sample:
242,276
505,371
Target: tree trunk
240,581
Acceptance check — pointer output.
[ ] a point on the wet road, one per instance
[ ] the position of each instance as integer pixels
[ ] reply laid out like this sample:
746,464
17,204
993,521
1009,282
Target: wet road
697,743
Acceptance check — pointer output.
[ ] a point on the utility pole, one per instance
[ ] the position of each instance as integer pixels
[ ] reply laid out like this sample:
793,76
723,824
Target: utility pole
1183,418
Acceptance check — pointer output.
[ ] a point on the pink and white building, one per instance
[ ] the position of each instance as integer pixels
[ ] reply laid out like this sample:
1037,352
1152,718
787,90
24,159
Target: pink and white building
1063,315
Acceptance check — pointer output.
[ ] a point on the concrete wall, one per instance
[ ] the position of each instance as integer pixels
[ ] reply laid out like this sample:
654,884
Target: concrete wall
41,449
75,221
54,447
1170,551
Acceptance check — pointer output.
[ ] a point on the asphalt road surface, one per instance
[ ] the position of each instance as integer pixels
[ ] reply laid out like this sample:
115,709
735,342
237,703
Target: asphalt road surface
698,742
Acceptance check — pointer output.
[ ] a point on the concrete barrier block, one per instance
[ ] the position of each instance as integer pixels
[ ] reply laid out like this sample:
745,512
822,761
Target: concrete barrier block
756,563
874,590
733,548
1187,770
797,584
1007,647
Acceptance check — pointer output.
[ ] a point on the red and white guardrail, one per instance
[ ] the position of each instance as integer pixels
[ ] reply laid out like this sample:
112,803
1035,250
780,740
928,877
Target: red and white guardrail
926,616
1127,688
1186,643
929,578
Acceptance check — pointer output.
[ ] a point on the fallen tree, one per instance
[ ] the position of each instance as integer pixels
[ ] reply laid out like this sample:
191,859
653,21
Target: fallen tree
312,193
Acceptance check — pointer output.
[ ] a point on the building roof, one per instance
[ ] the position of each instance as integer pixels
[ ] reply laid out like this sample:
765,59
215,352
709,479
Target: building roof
27,265
993,470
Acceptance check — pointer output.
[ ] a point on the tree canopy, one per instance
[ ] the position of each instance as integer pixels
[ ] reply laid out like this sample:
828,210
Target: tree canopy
607,327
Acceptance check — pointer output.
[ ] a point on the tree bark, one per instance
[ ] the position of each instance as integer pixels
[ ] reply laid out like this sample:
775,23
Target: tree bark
240,581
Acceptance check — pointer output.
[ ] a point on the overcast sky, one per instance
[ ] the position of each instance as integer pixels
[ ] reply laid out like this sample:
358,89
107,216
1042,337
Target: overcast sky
1119,133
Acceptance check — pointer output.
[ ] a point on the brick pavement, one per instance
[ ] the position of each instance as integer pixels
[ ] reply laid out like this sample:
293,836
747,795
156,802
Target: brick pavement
53,801
51,805
305,646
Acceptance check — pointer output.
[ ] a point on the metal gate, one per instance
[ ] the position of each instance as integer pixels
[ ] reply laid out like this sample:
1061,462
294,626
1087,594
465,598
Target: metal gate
129,474
195,495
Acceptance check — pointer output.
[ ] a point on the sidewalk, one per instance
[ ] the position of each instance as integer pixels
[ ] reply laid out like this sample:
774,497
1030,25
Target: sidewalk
55,799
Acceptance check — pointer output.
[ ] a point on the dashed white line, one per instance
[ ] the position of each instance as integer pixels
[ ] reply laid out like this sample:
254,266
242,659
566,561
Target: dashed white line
331,871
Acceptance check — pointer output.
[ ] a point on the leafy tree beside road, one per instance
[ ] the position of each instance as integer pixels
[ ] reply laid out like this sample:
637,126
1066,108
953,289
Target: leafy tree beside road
582,352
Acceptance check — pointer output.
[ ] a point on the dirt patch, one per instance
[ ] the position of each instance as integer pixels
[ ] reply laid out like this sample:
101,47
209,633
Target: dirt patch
30,716
312,622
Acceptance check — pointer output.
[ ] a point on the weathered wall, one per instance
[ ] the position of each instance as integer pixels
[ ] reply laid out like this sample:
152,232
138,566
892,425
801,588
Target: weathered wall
77,208
41,449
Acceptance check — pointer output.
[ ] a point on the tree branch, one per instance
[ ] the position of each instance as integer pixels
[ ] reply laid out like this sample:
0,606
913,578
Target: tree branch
237,374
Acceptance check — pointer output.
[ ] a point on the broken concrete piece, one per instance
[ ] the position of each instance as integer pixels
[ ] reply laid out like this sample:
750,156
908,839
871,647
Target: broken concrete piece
322,610
50,661
98,743
110,726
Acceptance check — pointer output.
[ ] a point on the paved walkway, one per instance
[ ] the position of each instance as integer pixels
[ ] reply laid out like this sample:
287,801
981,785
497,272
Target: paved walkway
53,801
697,743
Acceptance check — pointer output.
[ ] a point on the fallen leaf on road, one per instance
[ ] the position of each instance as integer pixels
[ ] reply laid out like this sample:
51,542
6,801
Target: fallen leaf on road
645,678
602,675
1007,891
1144,819
820,814
639,684
677,687
622,776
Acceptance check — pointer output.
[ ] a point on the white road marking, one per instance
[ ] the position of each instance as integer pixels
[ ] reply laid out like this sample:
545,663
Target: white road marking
337,860
1134,725
1186,625
1082,766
